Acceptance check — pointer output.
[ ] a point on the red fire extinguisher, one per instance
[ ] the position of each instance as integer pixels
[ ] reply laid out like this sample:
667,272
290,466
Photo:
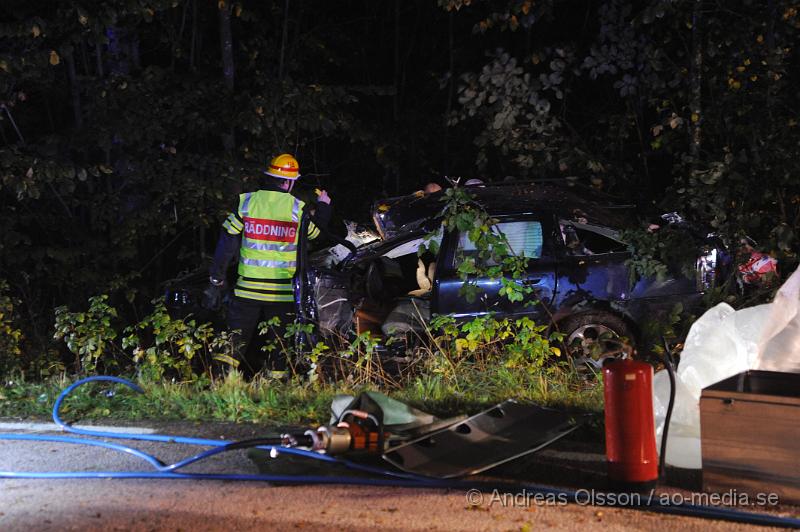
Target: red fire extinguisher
630,429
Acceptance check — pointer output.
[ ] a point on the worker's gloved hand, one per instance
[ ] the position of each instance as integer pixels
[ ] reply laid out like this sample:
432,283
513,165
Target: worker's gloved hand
323,197
212,296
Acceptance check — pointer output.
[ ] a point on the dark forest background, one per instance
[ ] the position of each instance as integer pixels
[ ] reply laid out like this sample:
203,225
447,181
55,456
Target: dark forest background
127,126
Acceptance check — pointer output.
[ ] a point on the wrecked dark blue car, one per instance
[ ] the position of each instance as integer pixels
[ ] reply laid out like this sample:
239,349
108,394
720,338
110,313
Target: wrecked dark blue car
577,271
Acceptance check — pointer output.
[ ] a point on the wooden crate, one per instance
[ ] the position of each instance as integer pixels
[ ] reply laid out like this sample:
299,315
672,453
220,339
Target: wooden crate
750,435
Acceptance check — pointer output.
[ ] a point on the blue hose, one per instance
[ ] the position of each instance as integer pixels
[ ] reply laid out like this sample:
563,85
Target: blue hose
394,479
100,434
281,479
155,462
199,441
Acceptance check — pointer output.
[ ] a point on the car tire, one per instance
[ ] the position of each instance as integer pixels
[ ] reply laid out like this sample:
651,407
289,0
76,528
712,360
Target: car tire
592,338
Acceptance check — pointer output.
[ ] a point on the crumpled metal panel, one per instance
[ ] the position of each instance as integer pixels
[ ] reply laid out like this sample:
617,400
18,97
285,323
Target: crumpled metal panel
502,433
334,309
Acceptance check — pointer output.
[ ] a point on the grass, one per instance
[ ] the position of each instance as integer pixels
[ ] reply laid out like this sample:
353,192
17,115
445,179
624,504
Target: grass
452,369
274,402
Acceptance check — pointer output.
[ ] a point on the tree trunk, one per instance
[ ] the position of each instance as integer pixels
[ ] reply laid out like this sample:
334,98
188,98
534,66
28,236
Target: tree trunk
696,104
193,44
284,39
299,5
123,50
226,43
74,88
636,109
450,92
13,123
133,50
772,11
179,40
49,113
396,99
84,58
98,52
773,15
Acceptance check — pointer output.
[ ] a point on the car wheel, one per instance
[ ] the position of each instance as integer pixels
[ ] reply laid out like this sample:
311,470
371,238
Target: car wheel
592,338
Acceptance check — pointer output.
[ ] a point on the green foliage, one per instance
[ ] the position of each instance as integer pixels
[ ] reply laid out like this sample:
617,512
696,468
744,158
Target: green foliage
268,402
277,404
646,259
158,346
274,343
297,355
516,344
11,336
712,122
112,161
449,349
313,358
361,352
513,108
111,157
659,253
89,335
669,328
355,361
164,346
495,258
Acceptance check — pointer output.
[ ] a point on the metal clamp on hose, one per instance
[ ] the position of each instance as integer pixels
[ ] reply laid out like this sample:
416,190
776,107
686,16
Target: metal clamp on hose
332,440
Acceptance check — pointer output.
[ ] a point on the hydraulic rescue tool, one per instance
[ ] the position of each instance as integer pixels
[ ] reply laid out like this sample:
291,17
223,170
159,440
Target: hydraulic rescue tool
357,431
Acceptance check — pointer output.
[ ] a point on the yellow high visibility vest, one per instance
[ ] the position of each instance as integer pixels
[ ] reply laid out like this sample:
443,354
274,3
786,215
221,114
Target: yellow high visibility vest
269,223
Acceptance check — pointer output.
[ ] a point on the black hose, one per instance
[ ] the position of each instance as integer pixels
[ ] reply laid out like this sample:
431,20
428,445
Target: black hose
259,442
671,372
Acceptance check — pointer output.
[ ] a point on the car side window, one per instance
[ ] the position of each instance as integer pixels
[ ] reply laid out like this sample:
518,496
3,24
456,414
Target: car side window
524,237
583,239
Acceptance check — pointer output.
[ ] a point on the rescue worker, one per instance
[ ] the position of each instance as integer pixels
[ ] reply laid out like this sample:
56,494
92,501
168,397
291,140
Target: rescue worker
264,230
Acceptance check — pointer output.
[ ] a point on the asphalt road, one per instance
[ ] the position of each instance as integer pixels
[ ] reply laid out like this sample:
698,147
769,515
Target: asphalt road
106,504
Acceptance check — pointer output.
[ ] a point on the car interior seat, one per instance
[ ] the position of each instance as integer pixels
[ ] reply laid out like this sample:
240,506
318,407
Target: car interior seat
424,278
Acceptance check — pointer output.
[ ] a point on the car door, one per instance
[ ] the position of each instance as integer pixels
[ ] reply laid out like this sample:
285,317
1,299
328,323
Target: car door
531,236
593,266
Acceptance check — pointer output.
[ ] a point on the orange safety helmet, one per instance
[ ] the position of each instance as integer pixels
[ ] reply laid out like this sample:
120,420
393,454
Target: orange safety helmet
284,166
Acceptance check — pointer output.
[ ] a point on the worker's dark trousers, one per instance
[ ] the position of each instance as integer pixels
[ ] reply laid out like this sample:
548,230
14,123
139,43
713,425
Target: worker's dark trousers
244,315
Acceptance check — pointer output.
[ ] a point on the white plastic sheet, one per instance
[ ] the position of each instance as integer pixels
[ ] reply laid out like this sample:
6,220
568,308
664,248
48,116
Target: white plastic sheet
720,344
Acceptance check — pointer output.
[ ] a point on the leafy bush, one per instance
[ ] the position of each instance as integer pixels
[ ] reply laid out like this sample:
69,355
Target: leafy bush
334,359
518,344
11,337
446,348
661,252
165,346
158,346
89,335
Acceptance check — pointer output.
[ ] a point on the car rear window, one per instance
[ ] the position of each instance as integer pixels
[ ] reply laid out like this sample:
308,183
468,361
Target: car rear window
524,238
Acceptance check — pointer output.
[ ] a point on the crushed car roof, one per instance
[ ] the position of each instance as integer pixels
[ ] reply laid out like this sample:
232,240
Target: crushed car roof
400,214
